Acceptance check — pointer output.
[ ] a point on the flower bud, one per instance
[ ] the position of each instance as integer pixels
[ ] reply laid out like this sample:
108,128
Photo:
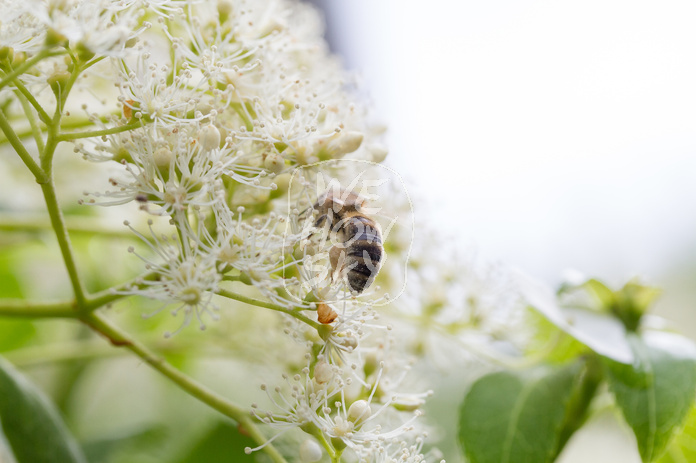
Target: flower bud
408,403
371,364
282,182
122,154
271,25
162,156
274,162
359,411
224,9
378,152
344,143
84,54
209,138
310,451
6,54
19,58
57,81
323,372
55,38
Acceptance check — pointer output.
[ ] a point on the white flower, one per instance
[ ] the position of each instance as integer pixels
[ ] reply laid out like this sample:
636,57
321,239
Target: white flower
256,249
157,92
185,277
221,52
310,451
307,398
172,172
19,29
400,451
323,405
356,424
98,27
353,324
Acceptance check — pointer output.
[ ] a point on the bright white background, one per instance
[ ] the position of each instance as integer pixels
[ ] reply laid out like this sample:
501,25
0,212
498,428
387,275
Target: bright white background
550,134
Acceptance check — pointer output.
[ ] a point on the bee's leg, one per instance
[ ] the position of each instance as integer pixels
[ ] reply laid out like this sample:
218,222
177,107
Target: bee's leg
321,220
319,223
337,258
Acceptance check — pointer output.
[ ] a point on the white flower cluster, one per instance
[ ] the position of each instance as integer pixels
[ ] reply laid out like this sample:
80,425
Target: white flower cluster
336,404
466,303
248,92
214,104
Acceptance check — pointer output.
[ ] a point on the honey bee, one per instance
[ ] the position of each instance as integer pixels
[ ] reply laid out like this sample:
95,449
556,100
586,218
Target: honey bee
358,253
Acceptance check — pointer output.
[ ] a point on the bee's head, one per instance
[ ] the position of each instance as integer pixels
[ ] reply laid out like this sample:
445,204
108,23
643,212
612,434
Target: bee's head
339,201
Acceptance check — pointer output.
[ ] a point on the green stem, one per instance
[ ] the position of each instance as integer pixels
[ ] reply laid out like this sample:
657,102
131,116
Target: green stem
98,133
82,225
313,429
100,299
79,122
25,309
119,338
240,278
577,409
69,124
35,129
22,308
49,192
40,176
244,115
268,305
58,223
43,115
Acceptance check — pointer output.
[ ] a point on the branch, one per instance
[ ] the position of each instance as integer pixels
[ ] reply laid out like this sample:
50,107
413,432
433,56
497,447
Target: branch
40,176
268,305
100,299
98,133
84,225
35,128
63,238
43,115
27,65
27,309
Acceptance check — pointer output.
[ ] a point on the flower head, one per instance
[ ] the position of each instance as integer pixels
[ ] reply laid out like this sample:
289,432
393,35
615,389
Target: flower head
185,278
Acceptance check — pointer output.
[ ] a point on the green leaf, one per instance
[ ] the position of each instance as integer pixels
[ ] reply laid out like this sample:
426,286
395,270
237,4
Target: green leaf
639,297
31,424
518,417
601,332
5,451
603,296
657,390
556,345
683,447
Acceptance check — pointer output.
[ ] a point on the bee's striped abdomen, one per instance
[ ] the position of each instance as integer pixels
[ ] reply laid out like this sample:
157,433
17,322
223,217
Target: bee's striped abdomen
364,251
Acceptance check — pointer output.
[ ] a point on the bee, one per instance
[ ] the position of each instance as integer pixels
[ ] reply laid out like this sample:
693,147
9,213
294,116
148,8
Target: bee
358,253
